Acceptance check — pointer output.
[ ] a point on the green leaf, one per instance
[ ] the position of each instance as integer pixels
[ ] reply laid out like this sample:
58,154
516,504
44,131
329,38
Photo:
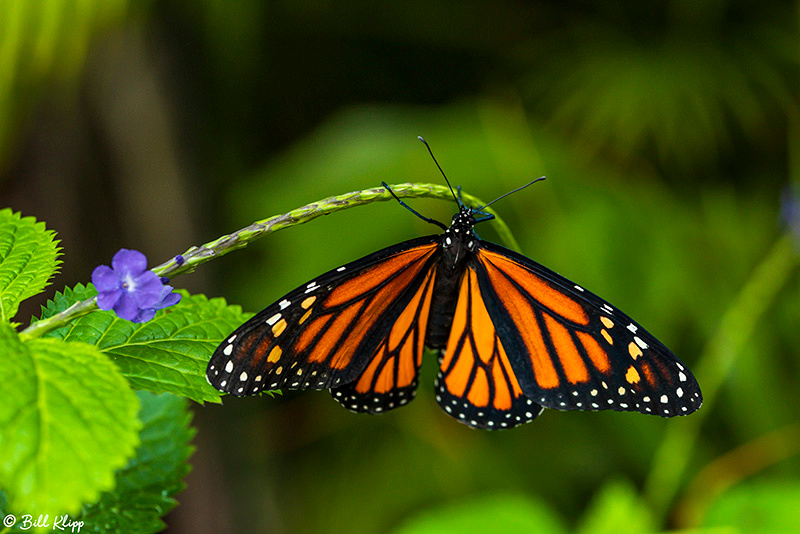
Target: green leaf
63,300
166,355
617,507
28,259
760,507
508,513
67,421
145,488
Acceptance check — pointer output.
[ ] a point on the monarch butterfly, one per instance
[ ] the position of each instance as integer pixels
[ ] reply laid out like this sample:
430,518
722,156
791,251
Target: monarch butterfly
513,337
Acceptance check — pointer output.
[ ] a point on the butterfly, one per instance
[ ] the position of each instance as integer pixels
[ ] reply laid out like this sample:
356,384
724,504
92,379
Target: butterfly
512,337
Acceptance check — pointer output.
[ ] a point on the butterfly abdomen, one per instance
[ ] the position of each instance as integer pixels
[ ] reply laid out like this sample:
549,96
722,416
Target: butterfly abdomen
458,246
443,306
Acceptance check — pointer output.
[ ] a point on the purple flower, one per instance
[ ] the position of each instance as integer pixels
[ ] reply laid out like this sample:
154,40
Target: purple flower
168,298
128,288
790,208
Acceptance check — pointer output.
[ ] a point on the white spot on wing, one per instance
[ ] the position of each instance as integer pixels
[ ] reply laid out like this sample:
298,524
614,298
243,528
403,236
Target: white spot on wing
284,303
274,319
642,344
229,366
227,350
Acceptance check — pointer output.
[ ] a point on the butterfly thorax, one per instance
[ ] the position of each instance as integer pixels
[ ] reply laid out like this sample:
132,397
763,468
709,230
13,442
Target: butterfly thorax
459,245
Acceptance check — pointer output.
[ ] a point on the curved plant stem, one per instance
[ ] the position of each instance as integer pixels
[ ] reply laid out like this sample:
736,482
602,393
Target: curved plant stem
198,255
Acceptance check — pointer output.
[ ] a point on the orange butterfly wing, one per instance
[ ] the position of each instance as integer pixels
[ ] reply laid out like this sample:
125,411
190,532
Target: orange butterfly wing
571,350
476,383
390,378
325,333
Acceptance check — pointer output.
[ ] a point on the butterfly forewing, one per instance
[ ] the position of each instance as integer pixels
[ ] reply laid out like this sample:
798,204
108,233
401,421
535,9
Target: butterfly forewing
572,350
476,383
321,334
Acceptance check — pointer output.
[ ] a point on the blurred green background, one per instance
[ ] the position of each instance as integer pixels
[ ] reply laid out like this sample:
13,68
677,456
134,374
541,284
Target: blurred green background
667,131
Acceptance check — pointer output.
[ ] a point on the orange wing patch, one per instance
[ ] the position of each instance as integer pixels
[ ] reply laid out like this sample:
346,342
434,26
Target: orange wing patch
390,379
597,355
356,287
557,301
476,383
571,361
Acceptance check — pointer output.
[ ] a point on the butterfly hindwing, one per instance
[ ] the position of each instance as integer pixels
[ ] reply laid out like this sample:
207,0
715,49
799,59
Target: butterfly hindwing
571,350
390,378
321,334
476,383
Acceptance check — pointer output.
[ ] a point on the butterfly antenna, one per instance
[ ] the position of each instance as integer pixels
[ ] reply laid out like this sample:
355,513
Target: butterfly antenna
539,179
424,142
412,210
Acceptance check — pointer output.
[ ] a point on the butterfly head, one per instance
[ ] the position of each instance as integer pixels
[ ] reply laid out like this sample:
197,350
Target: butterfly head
463,221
